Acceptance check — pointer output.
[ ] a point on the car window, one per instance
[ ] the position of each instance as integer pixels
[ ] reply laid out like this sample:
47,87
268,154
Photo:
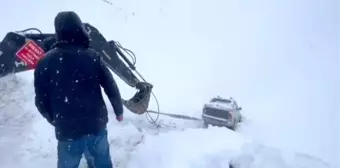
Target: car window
219,100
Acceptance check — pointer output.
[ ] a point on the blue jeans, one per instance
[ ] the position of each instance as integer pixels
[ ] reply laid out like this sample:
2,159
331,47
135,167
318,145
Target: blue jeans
95,147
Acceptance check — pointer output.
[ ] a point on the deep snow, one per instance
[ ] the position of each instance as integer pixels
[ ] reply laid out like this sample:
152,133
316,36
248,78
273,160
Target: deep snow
278,59
28,140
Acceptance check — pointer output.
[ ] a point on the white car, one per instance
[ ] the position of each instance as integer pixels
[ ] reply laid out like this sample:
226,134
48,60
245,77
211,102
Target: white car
222,112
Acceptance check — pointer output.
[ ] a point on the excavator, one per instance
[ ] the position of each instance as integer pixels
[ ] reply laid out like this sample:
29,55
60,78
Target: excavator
21,50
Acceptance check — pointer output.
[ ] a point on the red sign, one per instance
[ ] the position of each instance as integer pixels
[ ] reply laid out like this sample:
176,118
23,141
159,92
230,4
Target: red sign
30,54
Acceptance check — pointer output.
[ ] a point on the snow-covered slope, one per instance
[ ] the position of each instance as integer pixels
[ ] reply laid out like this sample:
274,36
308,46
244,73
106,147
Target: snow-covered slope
29,140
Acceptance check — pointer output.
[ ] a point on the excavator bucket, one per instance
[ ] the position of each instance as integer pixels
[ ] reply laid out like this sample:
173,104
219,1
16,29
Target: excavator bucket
139,103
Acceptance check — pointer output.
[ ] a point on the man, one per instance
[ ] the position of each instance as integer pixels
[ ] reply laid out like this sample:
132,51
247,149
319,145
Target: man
68,83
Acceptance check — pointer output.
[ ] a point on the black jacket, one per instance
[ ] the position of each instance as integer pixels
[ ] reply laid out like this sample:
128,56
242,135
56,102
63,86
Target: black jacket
68,83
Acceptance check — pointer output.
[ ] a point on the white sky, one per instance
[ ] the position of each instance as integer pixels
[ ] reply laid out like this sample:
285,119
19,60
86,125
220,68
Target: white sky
278,59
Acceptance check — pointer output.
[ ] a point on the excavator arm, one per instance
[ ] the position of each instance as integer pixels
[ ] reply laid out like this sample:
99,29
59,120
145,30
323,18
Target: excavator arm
20,51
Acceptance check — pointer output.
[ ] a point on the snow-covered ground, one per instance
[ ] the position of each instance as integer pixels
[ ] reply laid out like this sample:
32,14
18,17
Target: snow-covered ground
28,140
278,59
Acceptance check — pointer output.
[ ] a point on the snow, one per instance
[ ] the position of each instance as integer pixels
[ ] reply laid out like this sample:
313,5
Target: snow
200,149
135,142
221,105
279,59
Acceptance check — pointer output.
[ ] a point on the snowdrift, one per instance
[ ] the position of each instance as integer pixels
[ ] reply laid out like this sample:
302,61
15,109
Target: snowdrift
27,140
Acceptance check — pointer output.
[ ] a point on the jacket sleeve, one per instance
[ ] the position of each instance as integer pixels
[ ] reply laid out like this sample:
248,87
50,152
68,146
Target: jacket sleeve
41,95
110,87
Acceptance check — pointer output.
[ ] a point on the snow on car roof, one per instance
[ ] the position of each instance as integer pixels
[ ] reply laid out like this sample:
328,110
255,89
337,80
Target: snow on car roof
221,105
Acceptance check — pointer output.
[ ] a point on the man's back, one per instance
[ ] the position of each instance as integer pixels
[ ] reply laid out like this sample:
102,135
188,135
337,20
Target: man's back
75,97
68,80
73,76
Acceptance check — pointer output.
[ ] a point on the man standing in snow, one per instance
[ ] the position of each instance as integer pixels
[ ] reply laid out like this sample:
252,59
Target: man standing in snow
68,83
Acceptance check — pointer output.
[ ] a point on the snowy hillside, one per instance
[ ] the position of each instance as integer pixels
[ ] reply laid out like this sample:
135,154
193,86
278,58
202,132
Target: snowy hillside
278,59
29,140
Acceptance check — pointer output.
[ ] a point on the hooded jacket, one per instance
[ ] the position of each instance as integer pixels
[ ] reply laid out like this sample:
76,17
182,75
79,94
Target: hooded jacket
68,82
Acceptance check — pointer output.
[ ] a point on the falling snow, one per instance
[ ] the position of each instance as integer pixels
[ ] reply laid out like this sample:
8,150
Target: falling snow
29,141
66,99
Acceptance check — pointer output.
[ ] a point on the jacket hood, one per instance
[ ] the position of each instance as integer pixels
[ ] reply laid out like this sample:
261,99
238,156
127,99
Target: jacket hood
48,43
70,30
